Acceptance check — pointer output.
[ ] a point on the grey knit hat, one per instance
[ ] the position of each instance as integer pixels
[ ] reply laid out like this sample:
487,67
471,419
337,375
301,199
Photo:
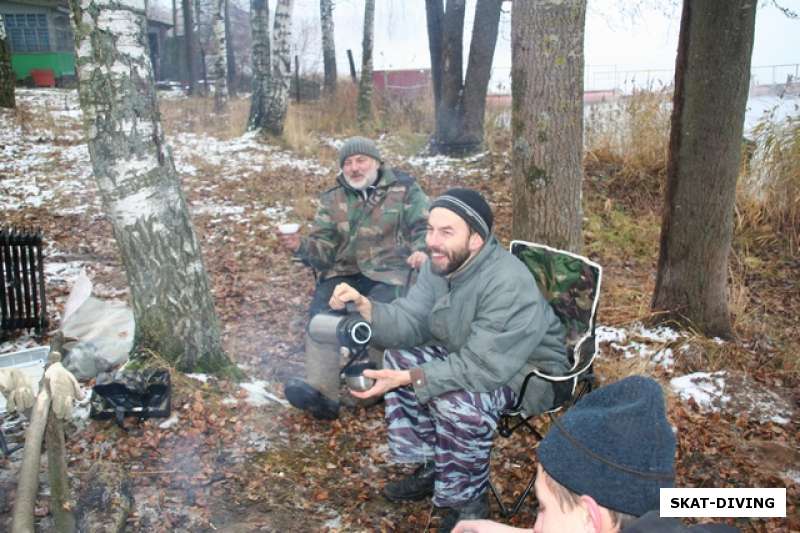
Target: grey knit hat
358,145
614,445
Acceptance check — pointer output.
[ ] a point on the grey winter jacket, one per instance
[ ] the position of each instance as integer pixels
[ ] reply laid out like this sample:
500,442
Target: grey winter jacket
490,316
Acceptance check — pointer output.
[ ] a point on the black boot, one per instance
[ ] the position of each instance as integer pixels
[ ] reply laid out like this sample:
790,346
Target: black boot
477,509
417,486
303,396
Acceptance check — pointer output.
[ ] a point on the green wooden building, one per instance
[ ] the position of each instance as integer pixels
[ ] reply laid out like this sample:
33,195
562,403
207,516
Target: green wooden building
40,37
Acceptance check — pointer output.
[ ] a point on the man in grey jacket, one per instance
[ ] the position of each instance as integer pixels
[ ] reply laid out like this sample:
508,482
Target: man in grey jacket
460,344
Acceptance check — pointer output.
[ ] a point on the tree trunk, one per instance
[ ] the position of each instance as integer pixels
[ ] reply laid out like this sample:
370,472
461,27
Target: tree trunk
278,97
188,42
365,83
479,68
460,104
449,115
135,174
712,74
547,121
259,28
211,39
7,78
230,52
174,18
328,46
217,58
434,15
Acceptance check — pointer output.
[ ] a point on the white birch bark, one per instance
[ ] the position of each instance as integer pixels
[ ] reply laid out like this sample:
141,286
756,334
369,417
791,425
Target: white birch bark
328,45
259,29
211,41
278,98
135,173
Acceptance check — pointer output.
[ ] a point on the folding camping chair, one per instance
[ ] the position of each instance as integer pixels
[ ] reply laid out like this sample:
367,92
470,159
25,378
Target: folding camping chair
571,283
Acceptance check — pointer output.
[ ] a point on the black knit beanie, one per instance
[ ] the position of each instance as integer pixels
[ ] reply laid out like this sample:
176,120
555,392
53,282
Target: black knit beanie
614,445
358,145
469,205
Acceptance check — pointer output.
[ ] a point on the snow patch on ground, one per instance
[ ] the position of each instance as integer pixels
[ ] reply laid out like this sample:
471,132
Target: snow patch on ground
258,394
63,272
707,390
734,394
640,341
440,164
169,422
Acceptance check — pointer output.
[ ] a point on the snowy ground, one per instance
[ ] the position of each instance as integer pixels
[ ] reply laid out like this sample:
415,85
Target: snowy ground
44,166
40,169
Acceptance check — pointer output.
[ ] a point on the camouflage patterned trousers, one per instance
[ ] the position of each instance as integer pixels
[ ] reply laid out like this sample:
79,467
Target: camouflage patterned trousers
455,429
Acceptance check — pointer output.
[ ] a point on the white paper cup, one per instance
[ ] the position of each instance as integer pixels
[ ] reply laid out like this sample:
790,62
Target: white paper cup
288,229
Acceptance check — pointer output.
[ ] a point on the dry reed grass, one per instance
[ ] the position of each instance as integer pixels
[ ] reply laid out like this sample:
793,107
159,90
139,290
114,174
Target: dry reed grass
196,115
628,140
768,195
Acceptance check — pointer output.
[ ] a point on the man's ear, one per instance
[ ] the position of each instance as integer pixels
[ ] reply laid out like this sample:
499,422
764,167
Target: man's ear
475,242
594,514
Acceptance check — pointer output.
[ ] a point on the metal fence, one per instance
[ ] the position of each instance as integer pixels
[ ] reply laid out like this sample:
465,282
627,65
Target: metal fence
612,77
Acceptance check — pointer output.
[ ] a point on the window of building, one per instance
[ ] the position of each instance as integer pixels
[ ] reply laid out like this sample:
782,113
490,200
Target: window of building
64,39
27,32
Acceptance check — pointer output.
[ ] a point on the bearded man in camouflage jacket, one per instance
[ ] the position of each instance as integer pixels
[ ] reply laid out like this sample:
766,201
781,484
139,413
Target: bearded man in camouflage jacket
369,232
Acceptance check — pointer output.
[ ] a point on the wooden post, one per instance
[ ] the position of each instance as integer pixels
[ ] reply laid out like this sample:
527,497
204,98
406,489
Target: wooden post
60,504
352,66
297,78
29,471
42,418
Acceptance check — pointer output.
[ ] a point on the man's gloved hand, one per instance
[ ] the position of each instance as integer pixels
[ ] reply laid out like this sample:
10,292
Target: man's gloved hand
17,389
63,389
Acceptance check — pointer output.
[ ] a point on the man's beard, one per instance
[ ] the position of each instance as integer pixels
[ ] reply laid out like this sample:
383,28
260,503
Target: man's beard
455,259
371,177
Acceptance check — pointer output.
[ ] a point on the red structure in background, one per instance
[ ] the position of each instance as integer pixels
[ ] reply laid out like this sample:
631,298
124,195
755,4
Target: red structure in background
43,77
403,83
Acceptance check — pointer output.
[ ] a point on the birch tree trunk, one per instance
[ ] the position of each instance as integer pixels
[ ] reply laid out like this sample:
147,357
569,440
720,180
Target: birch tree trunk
188,43
712,75
7,78
547,121
365,83
217,58
134,171
230,53
278,96
328,46
259,29
211,40
460,103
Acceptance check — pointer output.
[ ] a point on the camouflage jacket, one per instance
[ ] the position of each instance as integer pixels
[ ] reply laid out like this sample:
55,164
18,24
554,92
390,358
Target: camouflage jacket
369,232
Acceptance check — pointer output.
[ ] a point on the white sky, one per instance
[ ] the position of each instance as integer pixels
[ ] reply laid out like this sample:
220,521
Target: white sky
615,37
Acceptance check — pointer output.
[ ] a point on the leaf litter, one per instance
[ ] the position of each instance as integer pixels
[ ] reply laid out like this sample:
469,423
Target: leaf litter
235,457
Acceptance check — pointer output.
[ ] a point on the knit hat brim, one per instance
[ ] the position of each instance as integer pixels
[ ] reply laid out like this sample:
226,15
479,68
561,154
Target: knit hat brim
358,145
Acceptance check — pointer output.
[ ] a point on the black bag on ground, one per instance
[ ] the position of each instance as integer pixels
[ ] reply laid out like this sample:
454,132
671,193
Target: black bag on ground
142,393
